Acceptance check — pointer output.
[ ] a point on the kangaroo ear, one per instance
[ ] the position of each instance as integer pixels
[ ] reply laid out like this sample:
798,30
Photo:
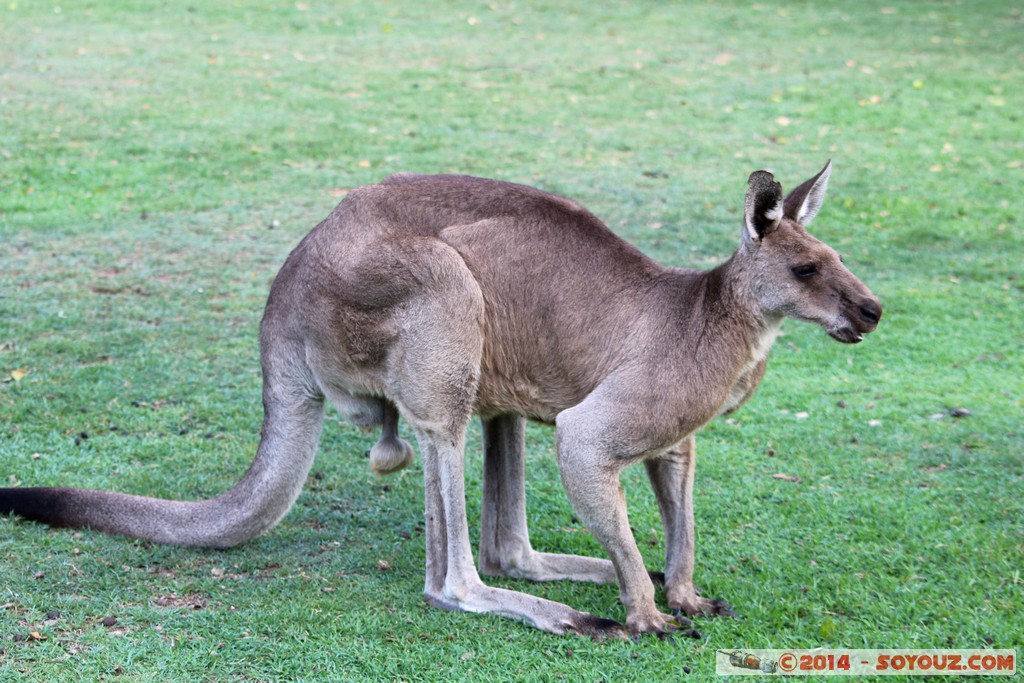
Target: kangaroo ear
804,202
763,206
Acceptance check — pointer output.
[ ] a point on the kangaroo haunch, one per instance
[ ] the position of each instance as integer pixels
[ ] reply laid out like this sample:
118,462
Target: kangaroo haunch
437,297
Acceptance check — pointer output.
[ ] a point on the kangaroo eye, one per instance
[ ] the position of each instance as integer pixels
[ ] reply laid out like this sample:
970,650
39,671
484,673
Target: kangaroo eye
804,272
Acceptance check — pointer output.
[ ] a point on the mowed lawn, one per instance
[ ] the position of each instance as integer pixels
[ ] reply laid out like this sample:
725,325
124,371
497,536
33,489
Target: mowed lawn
159,160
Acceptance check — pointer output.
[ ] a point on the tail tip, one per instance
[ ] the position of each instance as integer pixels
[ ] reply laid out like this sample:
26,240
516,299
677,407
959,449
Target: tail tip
47,505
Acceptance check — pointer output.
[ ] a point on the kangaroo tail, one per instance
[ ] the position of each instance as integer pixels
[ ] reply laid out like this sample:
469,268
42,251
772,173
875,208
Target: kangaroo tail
293,417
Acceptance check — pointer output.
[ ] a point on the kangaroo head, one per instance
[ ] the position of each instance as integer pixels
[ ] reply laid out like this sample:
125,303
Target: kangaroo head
793,274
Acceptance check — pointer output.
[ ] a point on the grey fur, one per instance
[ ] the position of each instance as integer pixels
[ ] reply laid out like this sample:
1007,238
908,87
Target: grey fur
436,297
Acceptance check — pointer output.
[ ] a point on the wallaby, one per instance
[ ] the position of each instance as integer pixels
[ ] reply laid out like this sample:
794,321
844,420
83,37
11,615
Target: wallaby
437,297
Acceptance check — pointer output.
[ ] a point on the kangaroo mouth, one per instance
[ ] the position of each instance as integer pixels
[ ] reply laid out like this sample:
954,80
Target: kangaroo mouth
855,320
846,335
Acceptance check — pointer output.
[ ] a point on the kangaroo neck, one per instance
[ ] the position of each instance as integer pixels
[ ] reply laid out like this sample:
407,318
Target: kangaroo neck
716,312
727,293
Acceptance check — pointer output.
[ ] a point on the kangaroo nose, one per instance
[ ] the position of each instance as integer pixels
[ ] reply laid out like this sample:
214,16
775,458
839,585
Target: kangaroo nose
871,311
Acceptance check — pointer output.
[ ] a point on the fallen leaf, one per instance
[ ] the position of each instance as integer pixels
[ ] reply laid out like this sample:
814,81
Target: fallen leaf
18,374
787,477
383,565
828,628
190,601
35,635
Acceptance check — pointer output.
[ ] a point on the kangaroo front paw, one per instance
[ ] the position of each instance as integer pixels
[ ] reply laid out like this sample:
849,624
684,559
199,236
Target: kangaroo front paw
689,602
655,623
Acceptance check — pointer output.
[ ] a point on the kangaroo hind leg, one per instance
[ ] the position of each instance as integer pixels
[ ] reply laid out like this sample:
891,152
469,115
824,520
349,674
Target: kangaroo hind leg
505,548
433,377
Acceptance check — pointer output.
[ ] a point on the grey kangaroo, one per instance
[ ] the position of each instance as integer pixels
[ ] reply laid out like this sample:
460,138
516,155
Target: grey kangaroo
435,298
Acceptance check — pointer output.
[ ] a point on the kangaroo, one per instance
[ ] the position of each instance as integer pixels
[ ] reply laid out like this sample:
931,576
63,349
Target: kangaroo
438,297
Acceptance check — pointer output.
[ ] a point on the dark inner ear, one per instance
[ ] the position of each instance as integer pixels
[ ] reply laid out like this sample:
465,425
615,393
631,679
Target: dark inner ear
765,193
795,199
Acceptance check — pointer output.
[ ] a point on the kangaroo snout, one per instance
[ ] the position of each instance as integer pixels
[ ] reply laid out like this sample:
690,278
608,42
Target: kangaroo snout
870,311
858,315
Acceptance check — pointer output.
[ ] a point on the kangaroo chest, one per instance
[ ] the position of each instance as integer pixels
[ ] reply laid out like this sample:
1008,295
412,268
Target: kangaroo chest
752,370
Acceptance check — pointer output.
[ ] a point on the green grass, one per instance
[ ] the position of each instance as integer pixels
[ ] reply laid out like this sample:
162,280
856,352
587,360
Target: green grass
158,161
